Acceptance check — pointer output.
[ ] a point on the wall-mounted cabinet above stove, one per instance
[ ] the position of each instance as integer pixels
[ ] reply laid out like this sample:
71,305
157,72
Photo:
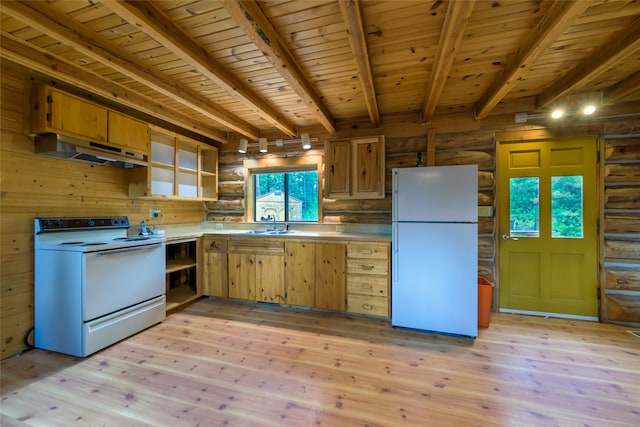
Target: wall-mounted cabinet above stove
56,112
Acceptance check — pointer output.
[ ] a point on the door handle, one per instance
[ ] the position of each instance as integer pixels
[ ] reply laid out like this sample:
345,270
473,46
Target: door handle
508,237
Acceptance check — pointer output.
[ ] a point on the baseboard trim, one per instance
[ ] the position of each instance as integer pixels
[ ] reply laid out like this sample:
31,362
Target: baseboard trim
544,314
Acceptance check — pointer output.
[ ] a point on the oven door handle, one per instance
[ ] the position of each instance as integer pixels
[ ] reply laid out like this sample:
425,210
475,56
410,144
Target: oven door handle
134,248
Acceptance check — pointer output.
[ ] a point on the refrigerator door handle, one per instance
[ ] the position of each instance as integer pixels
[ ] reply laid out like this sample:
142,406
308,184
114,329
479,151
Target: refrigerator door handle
394,250
394,196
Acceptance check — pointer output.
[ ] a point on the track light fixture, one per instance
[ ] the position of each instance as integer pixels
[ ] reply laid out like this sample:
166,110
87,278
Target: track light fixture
263,144
306,141
556,114
242,146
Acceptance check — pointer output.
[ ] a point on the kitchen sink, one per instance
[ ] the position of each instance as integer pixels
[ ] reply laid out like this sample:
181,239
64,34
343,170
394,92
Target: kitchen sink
268,232
257,232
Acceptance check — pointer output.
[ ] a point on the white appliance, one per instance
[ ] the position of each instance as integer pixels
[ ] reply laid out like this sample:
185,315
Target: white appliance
94,285
435,249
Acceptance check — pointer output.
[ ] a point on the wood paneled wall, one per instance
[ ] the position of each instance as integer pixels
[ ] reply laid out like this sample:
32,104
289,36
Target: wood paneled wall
34,186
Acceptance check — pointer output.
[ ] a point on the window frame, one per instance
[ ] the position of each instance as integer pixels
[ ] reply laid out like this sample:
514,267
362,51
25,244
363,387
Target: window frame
277,165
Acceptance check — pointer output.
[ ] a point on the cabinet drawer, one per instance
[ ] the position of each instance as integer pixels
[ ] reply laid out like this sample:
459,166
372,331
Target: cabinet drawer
215,245
368,266
257,246
372,306
375,251
368,285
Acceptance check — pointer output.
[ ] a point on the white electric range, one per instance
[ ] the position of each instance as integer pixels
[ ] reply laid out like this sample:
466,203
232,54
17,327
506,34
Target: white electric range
94,285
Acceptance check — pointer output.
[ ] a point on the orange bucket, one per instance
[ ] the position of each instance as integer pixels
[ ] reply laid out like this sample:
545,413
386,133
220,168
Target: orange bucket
485,298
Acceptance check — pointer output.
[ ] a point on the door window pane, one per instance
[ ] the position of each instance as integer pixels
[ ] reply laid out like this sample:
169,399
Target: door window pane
524,208
566,206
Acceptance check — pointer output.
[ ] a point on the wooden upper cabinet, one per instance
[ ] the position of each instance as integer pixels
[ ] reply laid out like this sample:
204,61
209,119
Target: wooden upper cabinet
368,167
338,169
128,132
355,168
179,168
54,111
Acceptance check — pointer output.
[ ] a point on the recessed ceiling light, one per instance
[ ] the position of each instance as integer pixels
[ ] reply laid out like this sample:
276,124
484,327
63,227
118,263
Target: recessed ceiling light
589,109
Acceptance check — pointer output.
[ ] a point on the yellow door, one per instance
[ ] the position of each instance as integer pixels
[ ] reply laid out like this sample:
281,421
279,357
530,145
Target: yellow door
548,227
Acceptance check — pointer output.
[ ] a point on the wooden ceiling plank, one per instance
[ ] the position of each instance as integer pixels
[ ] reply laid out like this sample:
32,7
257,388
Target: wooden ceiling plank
552,25
455,23
621,89
352,15
148,18
48,20
622,45
41,61
257,27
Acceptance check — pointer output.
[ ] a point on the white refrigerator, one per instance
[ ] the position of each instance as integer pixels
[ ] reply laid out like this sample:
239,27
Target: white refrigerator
435,249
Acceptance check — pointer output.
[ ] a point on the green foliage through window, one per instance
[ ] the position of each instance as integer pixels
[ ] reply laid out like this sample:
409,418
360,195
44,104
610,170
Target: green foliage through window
566,206
301,203
524,196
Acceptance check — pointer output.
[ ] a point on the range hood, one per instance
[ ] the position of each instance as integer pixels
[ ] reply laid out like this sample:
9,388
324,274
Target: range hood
64,147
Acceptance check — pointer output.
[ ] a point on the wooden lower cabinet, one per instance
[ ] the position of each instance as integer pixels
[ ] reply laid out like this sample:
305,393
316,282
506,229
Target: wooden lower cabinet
331,268
316,275
242,276
215,267
344,276
300,274
368,279
183,284
256,270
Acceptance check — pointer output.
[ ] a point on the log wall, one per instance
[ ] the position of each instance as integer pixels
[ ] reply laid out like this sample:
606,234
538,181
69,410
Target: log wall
34,186
621,205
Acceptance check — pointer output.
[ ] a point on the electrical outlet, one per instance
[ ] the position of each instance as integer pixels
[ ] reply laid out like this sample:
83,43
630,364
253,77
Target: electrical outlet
339,228
219,226
154,213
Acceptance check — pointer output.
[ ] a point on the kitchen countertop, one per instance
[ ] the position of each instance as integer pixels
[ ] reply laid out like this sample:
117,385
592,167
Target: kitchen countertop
297,231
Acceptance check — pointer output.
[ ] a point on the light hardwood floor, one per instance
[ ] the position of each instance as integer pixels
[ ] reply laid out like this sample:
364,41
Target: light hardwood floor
219,363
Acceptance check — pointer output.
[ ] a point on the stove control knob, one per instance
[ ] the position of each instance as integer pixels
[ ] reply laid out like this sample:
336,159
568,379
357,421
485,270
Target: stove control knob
91,223
60,223
116,221
49,223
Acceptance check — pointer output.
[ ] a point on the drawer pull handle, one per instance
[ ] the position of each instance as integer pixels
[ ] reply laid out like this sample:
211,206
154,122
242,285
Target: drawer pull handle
367,286
366,251
367,306
367,267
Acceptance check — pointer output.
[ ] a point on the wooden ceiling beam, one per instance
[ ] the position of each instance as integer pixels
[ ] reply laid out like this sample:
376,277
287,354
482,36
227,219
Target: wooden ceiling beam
455,23
149,19
352,15
37,59
621,89
46,19
253,22
622,45
552,25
